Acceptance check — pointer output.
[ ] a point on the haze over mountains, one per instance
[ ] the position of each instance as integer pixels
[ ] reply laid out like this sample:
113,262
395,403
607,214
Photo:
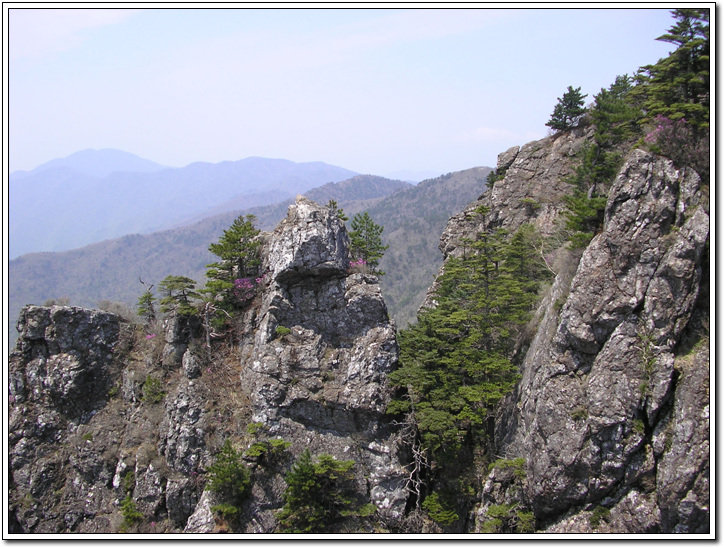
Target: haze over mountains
95,195
413,217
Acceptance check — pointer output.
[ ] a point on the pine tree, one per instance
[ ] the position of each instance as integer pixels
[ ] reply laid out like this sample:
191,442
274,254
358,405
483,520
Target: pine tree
317,493
229,476
238,248
366,241
145,307
178,293
336,210
568,110
678,86
456,360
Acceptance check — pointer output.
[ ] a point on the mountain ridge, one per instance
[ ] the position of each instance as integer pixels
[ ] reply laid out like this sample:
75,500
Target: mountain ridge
61,208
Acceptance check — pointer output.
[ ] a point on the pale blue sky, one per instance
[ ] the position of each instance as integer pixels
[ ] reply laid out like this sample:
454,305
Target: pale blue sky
371,90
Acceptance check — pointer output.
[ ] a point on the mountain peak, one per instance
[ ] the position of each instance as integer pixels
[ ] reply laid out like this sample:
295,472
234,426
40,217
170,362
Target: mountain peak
101,162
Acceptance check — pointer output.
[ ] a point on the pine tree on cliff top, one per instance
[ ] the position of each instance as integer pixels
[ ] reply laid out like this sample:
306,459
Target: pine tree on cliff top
568,110
678,86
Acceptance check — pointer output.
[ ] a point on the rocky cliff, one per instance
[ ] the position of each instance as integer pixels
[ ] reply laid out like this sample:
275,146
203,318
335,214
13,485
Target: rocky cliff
607,429
105,414
611,416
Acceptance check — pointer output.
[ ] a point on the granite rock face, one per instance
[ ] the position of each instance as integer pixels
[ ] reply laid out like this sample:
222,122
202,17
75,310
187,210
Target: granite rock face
106,414
605,412
318,363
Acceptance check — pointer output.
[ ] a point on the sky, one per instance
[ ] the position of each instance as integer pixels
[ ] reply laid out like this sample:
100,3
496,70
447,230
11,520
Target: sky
376,91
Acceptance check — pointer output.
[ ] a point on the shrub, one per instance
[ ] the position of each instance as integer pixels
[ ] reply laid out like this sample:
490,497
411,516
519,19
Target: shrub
282,331
318,494
227,511
129,482
440,509
526,522
599,513
229,476
130,514
152,392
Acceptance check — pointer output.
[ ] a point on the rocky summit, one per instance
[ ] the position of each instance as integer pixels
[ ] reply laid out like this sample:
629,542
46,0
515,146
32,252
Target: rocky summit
119,426
99,411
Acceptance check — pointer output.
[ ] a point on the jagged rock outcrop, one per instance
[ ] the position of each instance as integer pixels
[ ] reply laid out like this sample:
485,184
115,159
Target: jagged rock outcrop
611,414
111,421
59,372
594,387
318,363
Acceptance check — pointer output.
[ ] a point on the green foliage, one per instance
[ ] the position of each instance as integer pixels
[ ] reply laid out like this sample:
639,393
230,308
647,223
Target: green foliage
505,518
87,436
229,476
526,522
583,217
226,510
615,120
600,513
517,465
455,363
494,176
568,110
270,449
152,390
440,509
238,250
253,428
178,293
282,331
366,241
318,494
579,414
130,514
129,481
145,307
678,86
615,114
336,210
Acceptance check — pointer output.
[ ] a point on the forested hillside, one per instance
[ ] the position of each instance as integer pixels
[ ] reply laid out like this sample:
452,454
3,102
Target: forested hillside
109,271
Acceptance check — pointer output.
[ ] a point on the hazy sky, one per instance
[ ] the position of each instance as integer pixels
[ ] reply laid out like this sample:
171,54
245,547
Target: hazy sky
371,90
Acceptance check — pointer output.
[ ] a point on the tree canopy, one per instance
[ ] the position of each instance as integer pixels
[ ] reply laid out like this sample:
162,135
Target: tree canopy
678,86
366,241
568,110
238,248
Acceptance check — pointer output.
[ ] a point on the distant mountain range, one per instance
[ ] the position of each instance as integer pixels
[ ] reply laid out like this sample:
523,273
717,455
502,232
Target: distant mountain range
413,217
97,163
95,195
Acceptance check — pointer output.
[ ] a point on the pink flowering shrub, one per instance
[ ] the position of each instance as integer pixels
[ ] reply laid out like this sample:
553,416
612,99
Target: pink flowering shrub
244,289
360,265
676,139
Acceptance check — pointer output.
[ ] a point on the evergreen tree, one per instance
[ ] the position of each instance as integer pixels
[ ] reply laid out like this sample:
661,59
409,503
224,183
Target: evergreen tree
456,361
145,307
336,210
614,114
568,110
678,86
238,248
366,241
229,476
178,293
318,494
